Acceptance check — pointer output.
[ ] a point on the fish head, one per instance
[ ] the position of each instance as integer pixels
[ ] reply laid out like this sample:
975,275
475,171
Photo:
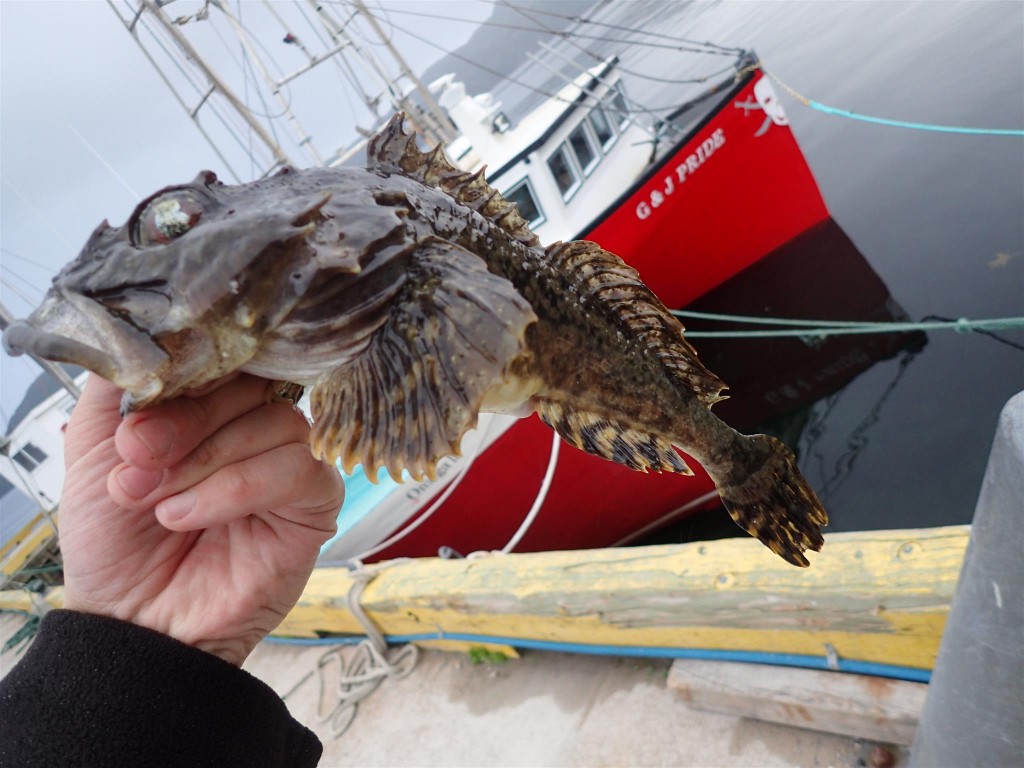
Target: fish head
182,292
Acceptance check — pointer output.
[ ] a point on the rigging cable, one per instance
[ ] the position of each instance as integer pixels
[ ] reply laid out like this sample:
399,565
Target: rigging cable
700,47
225,119
339,70
42,267
28,285
553,33
16,291
569,38
588,100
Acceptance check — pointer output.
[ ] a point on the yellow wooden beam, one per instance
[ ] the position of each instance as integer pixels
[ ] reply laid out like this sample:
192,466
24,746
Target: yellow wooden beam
25,544
21,600
878,596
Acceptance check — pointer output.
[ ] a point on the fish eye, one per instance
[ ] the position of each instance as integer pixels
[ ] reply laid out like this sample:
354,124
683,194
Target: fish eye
165,218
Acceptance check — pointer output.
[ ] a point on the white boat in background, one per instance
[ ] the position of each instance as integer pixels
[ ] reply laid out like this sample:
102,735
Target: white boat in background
32,464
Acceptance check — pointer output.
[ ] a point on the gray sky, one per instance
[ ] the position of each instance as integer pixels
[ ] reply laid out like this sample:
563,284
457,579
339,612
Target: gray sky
87,128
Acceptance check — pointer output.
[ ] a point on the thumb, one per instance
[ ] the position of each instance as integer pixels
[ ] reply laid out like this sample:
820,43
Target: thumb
94,419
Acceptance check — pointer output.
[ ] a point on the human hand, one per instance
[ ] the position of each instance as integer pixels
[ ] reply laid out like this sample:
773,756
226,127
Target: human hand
200,517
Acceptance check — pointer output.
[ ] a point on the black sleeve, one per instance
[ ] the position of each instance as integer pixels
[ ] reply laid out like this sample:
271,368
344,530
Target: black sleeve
97,692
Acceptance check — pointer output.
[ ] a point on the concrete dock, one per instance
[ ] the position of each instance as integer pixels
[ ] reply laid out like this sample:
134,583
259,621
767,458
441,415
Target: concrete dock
544,709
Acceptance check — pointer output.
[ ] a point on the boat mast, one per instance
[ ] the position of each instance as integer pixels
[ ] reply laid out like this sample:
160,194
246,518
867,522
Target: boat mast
202,90
152,9
442,125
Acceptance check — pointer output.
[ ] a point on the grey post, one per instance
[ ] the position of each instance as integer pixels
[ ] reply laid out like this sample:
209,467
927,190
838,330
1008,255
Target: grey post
974,712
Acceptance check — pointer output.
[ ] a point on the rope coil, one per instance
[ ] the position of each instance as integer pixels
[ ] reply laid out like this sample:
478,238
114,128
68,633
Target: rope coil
362,672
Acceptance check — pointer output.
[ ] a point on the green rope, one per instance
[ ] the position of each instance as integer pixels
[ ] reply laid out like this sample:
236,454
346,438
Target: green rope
23,635
52,568
817,105
824,328
915,126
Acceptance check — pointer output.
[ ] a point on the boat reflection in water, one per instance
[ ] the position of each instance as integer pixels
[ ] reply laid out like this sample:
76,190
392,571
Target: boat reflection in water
591,502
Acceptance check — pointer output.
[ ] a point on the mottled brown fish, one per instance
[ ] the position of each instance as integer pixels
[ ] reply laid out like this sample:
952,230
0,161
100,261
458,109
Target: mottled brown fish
411,296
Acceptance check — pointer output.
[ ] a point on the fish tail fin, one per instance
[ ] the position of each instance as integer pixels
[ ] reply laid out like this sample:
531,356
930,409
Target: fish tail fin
775,503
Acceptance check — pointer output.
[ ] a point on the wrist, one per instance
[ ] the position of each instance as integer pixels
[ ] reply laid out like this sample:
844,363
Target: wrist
234,650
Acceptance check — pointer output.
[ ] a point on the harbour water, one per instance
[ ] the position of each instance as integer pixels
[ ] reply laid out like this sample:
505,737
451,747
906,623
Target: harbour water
938,216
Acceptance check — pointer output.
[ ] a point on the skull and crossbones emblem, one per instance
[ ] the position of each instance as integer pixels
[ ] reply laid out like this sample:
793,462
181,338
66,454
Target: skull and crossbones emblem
766,100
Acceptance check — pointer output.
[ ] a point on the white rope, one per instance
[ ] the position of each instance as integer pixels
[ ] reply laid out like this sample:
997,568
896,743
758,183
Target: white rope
542,494
365,668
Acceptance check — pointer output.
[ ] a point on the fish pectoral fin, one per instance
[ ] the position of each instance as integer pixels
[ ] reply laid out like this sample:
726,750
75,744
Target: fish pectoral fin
610,440
407,399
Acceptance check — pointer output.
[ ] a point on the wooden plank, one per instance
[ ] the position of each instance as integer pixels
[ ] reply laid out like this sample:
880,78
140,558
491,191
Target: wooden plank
877,596
30,602
863,706
25,545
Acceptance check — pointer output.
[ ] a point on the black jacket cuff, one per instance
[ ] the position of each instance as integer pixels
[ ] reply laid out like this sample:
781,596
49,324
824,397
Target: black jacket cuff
94,691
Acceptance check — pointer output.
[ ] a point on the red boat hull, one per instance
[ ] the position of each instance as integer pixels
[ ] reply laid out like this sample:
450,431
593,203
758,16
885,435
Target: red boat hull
731,194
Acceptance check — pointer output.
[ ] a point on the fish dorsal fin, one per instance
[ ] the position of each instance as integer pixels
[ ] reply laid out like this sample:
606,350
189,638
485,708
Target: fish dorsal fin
408,398
393,150
610,440
615,287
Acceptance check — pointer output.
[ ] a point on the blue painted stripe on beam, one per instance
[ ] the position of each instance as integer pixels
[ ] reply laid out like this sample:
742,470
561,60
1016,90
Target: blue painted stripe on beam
912,674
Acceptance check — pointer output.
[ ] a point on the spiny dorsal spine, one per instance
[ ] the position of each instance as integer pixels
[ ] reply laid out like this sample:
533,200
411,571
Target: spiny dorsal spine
395,151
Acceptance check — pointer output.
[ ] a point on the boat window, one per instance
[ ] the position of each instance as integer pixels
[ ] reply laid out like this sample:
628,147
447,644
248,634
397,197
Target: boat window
602,127
583,146
30,456
522,195
617,105
566,176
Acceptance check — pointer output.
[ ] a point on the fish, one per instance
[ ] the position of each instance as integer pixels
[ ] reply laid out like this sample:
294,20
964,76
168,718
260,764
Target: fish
410,296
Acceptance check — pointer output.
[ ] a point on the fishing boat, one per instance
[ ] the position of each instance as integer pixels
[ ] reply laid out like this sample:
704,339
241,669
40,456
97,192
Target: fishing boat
707,199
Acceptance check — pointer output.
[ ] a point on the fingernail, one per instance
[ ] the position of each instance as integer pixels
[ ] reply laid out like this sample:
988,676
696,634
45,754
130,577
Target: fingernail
176,507
157,435
138,483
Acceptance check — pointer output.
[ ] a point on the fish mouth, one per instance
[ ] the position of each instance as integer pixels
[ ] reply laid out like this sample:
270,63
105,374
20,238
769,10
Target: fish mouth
70,328
24,338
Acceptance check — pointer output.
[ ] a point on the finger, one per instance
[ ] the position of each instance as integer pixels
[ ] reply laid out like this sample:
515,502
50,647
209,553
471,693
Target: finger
161,436
287,481
260,430
94,419
209,386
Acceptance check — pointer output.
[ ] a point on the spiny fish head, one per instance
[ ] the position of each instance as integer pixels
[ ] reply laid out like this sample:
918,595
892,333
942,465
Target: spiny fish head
183,291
